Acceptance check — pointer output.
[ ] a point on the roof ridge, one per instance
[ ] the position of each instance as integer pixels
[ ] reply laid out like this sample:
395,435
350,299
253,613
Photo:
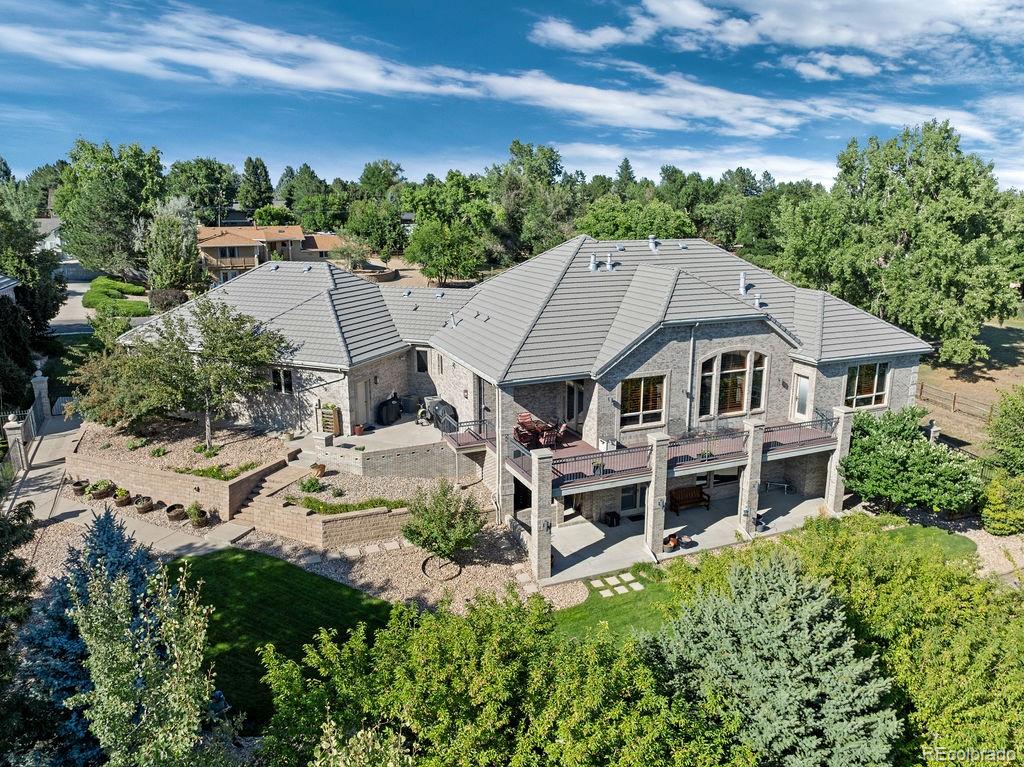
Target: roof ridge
540,308
333,270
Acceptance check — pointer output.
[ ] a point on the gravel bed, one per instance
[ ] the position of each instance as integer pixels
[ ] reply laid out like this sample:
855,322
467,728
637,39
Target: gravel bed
155,517
237,446
49,549
997,554
356,489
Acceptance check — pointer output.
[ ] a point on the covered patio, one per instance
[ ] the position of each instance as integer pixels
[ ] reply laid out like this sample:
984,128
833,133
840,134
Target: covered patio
584,549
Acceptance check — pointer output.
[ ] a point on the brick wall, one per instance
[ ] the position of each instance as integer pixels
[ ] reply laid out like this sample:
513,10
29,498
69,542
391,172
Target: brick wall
169,486
433,460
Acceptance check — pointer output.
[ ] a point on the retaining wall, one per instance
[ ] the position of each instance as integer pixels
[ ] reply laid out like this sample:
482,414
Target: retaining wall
432,460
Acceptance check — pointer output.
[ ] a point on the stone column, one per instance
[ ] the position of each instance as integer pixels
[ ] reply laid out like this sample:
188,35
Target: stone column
540,513
835,488
503,488
13,436
657,500
750,482
41,403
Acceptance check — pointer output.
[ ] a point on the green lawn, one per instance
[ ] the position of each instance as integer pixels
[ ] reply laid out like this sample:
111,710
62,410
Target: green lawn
259,599
951,544
77,346
625,613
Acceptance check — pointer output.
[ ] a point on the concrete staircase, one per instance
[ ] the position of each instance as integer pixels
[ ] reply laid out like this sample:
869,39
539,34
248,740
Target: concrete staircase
269,484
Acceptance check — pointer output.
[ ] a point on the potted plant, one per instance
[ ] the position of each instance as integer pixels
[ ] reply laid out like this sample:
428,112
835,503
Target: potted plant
317,469
79,487
100,489
122,497
198,516
357,429
670,543
176,512
143,504
597,468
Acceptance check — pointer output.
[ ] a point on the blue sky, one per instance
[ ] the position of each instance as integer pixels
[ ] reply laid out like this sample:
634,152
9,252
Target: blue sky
772,84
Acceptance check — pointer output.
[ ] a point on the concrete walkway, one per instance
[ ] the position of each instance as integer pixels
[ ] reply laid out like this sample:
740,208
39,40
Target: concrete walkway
42,484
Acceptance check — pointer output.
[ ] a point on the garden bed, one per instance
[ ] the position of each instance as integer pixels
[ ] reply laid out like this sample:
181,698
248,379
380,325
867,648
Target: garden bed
355,489
154,517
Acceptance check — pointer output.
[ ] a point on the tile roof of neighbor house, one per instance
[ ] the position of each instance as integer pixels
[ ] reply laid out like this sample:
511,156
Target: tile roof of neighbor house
419,312
6,283
321,241
552,317
46,225
210,236
334,319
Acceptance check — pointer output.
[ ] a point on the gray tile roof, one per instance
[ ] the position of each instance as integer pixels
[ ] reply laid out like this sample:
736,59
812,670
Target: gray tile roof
552,317
8,282
335,319
419,312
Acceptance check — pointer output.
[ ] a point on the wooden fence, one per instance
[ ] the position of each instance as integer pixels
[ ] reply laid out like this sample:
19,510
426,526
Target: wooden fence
954,402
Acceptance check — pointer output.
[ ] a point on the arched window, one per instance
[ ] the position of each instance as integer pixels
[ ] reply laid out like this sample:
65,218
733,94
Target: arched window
731,383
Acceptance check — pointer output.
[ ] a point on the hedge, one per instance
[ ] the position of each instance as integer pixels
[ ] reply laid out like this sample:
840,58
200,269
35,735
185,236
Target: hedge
127,288
109,295
1003,512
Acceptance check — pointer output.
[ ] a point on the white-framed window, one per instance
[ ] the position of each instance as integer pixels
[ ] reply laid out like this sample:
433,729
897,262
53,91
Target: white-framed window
801,395
440,364
866,384
229,252
643,401
421,361
633,497
282,380
731,383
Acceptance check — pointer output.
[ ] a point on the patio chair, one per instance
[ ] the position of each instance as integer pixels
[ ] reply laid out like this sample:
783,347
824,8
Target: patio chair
563,429
547,438
525,420
524,436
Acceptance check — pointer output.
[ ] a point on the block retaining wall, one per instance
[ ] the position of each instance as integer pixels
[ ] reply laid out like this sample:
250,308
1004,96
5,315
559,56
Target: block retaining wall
432,460
169,486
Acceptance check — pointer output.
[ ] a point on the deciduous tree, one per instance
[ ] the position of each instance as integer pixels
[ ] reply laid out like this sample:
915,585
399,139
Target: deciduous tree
379,178
443,521
322,212
379,222
272,215
211,186
1006,432
610,218
443,251
172,251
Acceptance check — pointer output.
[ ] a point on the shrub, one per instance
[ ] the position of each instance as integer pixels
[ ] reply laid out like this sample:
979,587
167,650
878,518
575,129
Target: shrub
98,486
219,472
443,521
166,298
108,296
1003,512
136,442
323,507
158,452
337,492
194,511
311,485
366,748
648,571
1005,428
206,452
121,492
128,288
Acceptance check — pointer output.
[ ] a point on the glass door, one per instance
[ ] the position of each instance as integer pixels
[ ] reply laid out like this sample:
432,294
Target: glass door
574,405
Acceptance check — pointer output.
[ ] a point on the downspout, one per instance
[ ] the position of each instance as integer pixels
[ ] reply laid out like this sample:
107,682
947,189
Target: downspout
689,396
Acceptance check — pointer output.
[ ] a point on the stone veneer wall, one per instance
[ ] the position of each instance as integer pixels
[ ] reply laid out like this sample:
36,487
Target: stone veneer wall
169,486
436,459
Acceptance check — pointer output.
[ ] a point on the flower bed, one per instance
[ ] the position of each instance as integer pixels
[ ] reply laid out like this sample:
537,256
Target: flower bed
323,507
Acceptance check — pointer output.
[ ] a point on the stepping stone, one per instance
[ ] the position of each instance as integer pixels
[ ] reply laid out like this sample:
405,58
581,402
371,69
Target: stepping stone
373,548
523,577
612,580
620,589
392,545
530,588
353,553
597,583
309,559
605,592
636,586
627,577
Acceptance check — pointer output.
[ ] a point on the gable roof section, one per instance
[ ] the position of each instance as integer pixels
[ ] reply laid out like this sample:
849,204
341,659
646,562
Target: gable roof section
209,236
641,310
418,313
334,319
849,333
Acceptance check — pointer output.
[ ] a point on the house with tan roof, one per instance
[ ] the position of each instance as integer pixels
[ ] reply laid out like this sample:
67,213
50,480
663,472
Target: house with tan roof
624,401
227,251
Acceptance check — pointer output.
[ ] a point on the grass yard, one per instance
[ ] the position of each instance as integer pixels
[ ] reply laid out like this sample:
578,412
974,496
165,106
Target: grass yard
259,599
77,346
952,545
625,613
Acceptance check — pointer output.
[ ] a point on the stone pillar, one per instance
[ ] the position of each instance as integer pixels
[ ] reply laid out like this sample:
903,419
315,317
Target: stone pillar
15,443
750,482
504,490
41,403
657,500
540,513
933,431
835,488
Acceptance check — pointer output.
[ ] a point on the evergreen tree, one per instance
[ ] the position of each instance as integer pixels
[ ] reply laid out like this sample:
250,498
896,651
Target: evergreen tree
625,179
255,189
776,652
5,171
172,251
17,582
41,181
284,182
54,667
304,184
378,178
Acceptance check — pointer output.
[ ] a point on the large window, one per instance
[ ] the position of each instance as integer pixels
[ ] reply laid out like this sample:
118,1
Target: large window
865,384
732,383
421,360
282,380
633,497
643,401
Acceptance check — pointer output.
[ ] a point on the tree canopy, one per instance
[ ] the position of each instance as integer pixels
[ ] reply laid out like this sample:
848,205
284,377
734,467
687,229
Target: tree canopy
211,186
255,189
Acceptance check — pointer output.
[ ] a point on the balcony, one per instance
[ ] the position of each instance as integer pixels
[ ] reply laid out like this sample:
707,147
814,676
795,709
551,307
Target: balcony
687,455
787,440
581,471
468,435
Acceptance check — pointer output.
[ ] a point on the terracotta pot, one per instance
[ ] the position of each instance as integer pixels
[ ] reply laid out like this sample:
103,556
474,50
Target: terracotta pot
122,502
357,430
317,470
176,512
143,504
78,488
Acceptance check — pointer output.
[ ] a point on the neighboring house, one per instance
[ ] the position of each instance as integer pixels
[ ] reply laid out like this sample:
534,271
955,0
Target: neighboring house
318,245
674,370
70,267
227,251
408,222
7,286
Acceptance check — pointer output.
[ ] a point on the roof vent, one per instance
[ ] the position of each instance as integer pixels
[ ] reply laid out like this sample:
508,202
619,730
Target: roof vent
452,315
407,293
652,243
593,262
274,267
683,246
620,247
307,268
610,263
757,300
743,283
439,295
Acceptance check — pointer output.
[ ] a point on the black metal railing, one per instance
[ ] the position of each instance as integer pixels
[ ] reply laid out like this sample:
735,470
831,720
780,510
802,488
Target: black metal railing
707,447
467,433
596,467
518,455
790,436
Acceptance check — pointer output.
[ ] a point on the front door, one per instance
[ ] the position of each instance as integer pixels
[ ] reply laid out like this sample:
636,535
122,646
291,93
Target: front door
363,407
574,405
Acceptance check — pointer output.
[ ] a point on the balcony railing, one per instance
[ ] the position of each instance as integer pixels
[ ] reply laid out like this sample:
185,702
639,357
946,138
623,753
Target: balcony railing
792,436
518,455
597,467
707,448
468,433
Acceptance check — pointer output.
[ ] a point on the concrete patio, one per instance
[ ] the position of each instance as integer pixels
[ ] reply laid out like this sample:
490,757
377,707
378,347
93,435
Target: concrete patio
584,549
404,432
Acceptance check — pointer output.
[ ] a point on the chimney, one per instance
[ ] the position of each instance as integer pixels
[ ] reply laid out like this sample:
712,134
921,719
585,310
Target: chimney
743,283
593,262
652,243
611,266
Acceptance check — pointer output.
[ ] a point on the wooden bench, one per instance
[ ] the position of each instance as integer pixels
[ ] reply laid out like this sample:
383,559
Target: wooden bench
682,497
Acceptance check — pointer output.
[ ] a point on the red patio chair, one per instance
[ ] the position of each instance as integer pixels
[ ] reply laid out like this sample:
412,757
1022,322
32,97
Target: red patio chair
547,438
525,420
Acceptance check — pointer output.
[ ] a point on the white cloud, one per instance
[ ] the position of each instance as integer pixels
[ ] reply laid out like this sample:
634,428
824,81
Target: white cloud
559,33
819,65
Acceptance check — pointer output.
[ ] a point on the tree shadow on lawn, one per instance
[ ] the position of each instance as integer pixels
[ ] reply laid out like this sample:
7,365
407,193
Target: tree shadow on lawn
1006,352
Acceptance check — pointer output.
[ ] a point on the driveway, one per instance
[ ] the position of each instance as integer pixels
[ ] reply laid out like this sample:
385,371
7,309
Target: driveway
72,317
